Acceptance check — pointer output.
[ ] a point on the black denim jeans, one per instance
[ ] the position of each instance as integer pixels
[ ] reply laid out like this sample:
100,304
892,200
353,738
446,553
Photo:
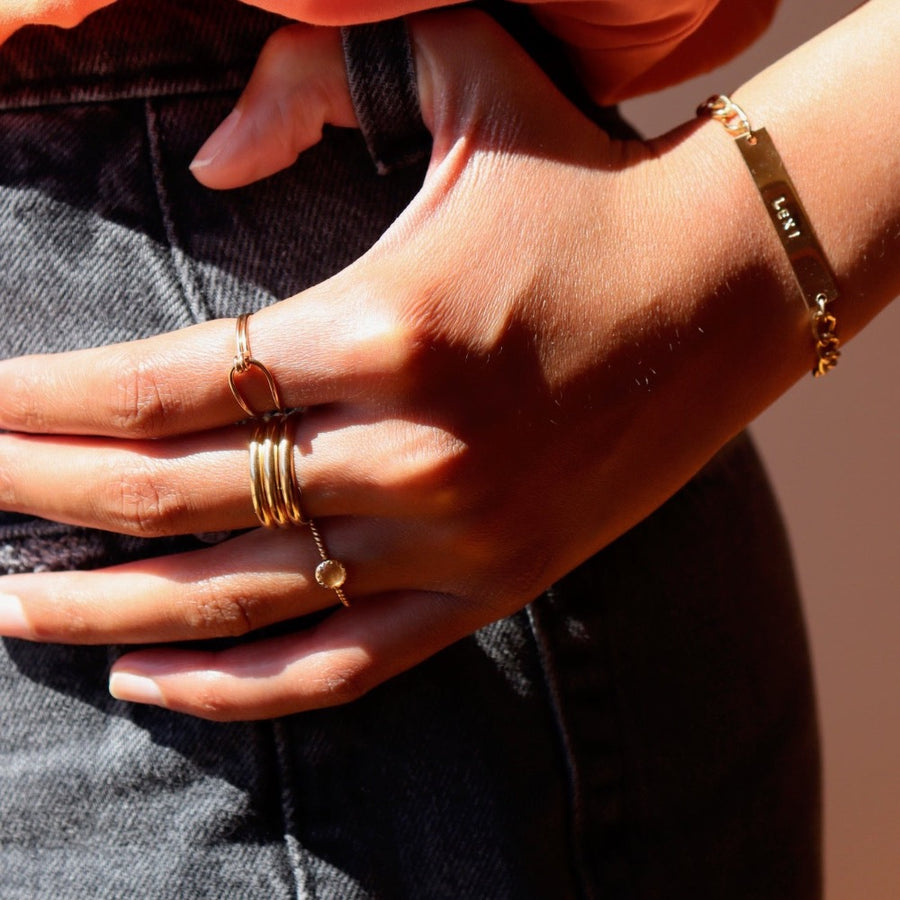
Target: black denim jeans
646,729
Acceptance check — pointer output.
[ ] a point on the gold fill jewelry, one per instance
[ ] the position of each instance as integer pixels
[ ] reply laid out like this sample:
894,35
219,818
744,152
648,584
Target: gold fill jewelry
273,482
244,362
330,573
274,488
807,258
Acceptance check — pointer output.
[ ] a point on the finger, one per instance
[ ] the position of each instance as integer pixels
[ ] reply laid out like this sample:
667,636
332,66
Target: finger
335,662
343,465
146,489
298,85
471,77
143,389
229,590
242,584
326,345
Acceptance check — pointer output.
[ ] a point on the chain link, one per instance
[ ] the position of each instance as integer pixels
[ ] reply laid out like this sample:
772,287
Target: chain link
725,111
828,345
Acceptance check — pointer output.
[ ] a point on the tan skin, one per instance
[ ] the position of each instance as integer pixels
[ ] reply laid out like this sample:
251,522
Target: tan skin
535,356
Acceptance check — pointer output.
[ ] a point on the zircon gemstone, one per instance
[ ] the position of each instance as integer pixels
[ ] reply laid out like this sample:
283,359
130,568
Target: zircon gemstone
331,574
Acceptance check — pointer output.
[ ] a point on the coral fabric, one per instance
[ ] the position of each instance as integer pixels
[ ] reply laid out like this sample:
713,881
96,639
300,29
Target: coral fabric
629,47
621,47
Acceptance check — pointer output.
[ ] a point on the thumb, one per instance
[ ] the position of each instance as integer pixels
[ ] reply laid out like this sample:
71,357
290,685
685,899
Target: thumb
298,85
477,88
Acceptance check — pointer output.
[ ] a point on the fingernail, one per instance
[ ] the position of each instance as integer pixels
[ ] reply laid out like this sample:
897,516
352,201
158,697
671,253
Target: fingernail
12,617
217,142
135,688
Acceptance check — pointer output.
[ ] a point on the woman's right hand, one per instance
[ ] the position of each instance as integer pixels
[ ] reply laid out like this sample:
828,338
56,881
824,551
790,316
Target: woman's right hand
552,338
529,361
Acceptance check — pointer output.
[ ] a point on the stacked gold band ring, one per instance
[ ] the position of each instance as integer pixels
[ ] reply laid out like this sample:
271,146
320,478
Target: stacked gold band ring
273,482
274,488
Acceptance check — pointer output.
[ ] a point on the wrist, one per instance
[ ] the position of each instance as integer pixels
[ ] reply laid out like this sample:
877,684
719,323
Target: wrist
729,276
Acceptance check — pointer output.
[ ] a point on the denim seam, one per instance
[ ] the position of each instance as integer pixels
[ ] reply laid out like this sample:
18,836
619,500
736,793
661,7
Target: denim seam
292,846
552,689
617,697
184,268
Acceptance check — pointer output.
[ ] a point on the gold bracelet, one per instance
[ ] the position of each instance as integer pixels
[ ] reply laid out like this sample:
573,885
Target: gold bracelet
807,259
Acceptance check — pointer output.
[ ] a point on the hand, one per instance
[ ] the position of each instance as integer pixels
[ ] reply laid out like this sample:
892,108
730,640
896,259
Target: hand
502,385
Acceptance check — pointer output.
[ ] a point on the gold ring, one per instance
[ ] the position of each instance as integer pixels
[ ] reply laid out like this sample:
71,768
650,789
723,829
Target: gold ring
273,481
243,363
330,573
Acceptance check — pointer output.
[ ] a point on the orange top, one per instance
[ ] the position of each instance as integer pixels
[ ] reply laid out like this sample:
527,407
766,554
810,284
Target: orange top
622,47
629,47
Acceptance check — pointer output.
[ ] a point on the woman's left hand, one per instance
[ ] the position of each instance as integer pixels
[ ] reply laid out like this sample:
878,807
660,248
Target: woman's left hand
506,382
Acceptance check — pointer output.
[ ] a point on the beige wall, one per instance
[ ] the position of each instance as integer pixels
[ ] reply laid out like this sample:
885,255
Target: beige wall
833,447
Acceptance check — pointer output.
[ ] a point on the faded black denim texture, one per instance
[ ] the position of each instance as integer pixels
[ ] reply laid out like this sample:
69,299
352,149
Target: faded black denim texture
644,730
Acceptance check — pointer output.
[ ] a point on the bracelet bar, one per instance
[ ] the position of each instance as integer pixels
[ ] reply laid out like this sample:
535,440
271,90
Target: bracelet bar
808,262
807,259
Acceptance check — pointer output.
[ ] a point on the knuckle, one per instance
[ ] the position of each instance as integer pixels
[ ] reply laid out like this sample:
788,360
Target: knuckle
397,346
22,406
140,405
63,615
418,345
451,466
495,548
390,350
8,487
283,45
433,468
69,626
345,680
136,502
211,698
214,612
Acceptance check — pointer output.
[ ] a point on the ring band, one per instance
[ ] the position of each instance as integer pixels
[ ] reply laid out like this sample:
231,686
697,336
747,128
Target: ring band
273,482
244,361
